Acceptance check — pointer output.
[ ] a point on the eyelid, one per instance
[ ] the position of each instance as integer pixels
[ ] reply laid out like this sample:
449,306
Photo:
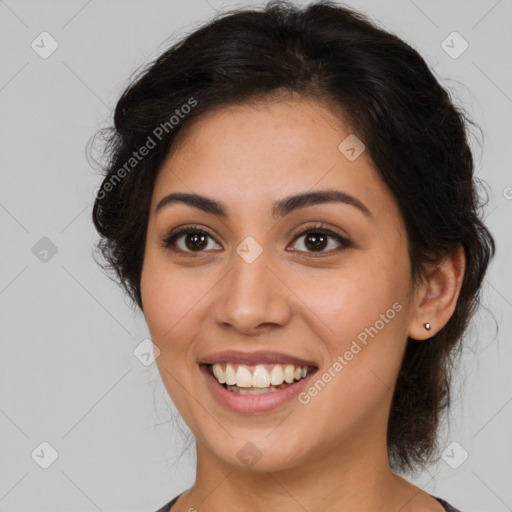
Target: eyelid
321,227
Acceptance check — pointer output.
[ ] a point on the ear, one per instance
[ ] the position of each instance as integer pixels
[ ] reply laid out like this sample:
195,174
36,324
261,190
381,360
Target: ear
436,297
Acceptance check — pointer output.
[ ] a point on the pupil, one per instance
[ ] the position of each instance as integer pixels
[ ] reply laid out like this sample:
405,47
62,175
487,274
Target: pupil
195,238
318,238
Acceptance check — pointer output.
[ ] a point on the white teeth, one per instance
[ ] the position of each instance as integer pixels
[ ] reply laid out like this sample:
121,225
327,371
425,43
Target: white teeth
253,391
230,375
243,377
219,374
260,378
277,375
289,373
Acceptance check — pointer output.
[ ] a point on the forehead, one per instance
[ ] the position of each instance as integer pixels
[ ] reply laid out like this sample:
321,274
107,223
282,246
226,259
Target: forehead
256,154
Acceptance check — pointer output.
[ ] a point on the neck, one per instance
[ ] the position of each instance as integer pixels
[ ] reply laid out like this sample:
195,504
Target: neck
356,476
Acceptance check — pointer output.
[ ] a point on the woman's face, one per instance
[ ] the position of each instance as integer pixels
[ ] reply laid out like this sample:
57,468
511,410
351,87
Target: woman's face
267,283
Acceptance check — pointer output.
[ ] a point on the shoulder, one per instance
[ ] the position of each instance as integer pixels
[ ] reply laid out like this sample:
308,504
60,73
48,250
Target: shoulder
167,506
445,504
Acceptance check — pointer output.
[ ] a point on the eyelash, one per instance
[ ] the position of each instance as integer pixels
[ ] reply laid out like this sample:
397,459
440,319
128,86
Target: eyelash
168,241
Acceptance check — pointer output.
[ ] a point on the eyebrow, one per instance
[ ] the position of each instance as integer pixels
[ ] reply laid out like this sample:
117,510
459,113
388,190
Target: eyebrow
280,208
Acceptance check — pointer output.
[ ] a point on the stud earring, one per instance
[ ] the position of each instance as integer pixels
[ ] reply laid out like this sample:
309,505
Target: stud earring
427,326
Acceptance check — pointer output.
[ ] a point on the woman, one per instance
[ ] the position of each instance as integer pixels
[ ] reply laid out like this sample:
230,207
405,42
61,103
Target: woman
290,201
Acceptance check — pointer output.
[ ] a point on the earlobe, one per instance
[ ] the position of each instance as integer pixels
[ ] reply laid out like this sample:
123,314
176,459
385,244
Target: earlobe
438,295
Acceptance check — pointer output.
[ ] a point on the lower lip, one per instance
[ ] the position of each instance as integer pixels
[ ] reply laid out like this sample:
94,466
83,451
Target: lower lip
253,404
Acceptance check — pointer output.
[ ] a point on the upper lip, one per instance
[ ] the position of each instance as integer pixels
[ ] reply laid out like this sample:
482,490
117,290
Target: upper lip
254,358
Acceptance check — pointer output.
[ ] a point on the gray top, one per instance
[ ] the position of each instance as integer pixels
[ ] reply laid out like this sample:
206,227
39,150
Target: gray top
447,506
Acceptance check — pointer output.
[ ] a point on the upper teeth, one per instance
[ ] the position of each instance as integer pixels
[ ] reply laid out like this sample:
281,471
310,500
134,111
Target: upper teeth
261,377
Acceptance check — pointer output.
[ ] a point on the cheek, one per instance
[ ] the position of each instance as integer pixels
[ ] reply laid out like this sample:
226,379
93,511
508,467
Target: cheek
170,303
362,309
163,299
363,329
355,294
175,302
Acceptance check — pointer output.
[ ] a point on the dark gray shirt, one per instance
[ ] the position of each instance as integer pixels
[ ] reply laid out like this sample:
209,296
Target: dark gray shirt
447,506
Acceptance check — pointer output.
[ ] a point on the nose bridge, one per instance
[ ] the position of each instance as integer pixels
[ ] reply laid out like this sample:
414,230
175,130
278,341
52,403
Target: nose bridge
252,296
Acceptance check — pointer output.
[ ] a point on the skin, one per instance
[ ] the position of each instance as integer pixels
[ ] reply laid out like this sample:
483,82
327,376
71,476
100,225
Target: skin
330,454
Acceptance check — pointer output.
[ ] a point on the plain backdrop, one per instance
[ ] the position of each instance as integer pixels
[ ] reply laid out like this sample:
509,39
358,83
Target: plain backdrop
85,425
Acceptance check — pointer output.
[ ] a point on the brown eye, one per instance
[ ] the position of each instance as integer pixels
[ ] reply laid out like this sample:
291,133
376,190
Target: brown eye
317,238
195,240
316,241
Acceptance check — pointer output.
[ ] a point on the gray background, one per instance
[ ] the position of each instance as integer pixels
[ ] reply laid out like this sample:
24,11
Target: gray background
69,376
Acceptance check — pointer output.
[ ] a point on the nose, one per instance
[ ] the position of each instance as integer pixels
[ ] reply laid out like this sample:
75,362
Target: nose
252,298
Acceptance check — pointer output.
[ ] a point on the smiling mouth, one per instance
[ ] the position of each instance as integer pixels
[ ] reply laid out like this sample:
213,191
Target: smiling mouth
258,379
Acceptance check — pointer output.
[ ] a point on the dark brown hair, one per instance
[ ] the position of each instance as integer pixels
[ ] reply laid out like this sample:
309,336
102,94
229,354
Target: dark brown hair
416,137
